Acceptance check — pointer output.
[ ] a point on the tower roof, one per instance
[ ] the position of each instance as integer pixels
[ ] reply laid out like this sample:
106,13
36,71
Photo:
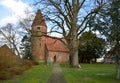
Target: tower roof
38,20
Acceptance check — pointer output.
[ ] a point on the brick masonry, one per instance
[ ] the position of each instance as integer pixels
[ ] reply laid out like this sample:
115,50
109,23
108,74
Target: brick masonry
44,46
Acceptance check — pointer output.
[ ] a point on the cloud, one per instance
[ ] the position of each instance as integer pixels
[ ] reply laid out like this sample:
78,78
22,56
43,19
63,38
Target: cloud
17,9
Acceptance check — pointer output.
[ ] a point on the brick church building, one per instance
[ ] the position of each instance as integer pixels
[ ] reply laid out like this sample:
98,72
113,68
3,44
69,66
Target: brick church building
44,46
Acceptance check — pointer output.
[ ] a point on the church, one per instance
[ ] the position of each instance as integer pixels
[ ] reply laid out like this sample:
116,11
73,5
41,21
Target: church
44,46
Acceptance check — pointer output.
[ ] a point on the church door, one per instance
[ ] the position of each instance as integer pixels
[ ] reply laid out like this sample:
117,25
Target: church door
54,58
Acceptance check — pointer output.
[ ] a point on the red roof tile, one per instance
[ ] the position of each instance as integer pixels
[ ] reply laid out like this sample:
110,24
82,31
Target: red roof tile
53,44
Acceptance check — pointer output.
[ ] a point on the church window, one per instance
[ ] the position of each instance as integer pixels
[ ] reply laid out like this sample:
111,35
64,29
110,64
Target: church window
67,56
59,55
38,28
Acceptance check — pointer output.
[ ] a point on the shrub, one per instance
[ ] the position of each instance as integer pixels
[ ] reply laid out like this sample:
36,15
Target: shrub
28,63
16,70
25,67
4,75
9,70
35,63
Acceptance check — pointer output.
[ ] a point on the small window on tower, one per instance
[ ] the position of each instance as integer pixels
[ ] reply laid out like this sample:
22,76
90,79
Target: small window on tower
38,28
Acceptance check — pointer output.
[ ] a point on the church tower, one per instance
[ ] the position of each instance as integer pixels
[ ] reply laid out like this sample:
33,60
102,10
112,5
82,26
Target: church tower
39,29
39,26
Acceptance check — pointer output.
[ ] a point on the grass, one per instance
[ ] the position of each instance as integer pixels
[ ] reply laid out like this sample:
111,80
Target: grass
37,74
90,73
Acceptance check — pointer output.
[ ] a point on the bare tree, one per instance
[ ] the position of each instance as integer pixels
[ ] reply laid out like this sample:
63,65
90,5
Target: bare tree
10,37
70,18
25,25
12,34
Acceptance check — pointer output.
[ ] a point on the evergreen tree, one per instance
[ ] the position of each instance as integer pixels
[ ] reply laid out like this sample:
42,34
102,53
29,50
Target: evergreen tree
26,47
91,47
108,23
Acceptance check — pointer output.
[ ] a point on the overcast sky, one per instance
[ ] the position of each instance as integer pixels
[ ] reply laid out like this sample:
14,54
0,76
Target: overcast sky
10,10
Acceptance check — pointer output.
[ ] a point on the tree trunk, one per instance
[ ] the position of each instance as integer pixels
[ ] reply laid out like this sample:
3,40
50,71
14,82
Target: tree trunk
117,71
117,61
75,59
74,50
15,49
74,37
71,58
117,67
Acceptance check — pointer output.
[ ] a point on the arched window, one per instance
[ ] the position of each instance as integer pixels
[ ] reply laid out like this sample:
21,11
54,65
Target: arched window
38,28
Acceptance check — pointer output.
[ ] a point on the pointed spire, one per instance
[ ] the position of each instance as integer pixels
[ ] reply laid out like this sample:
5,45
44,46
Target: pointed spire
38,20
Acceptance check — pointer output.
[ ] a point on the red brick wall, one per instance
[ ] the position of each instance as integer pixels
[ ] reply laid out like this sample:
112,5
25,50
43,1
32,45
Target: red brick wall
64,56
38,48
38,44
39,52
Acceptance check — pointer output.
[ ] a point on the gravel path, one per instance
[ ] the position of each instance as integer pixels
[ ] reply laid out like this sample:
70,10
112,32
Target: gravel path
56,75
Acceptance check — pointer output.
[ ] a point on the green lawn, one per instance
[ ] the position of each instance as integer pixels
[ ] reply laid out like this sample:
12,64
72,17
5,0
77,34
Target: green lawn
37,74
90,73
